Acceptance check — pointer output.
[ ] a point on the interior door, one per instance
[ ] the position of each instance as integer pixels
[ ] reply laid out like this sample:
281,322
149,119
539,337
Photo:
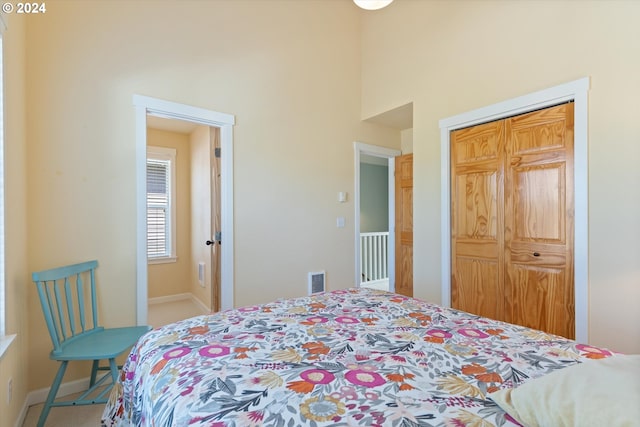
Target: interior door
477,237
215,218
404,224
512,227
539,207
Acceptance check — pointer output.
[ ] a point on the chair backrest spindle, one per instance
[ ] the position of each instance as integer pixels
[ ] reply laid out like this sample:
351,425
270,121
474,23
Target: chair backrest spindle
60,309
69,306
48,310
94,304
62,294
80,308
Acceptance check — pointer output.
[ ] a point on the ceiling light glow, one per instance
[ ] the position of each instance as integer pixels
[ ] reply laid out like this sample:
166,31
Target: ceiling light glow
372,4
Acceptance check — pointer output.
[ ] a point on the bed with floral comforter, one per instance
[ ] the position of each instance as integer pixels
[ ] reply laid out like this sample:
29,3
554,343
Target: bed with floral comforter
356,357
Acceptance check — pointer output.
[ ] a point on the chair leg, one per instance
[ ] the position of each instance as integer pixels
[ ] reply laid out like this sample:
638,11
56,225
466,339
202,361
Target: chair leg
52,393
94,372
114,370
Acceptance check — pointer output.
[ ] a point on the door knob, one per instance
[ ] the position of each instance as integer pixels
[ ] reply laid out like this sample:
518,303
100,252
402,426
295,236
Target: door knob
209,243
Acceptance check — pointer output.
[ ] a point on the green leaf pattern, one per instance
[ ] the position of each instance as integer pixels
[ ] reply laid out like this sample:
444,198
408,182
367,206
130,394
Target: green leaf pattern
355,357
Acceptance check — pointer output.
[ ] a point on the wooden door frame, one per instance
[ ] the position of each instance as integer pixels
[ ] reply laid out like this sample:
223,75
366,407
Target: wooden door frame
390,154
145,105
576,91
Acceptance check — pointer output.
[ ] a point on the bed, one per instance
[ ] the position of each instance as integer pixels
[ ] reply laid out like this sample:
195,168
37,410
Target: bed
356,357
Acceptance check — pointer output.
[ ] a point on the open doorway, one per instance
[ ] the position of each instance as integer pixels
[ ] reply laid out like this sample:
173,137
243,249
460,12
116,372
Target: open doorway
183,219
216,130
374,230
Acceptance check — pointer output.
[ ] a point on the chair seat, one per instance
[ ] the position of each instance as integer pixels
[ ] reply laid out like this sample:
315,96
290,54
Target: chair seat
100,344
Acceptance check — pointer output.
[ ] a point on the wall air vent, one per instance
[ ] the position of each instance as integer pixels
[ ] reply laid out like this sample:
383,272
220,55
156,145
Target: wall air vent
316,282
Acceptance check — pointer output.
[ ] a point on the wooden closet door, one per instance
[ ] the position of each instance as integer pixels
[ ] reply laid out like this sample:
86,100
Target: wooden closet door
477,238
539,211
512,208
404,224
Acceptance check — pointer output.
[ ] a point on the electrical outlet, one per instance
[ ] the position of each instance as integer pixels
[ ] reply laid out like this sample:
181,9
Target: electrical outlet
9,390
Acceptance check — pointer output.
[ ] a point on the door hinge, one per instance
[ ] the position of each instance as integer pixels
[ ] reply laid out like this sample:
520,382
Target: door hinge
216,152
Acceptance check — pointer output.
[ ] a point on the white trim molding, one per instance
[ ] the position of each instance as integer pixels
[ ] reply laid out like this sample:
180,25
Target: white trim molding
390,154
3,22
144,106
5,340
576,91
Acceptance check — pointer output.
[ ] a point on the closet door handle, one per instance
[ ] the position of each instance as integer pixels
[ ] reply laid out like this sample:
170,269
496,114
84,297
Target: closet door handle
536,254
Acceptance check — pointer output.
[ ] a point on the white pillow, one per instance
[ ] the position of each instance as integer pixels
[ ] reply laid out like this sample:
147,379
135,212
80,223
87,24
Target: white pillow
604,392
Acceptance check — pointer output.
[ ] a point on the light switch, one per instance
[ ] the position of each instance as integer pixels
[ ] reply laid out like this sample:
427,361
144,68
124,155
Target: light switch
340,222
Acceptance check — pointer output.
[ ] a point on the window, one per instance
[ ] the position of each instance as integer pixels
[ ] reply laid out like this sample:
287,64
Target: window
5,340
161,217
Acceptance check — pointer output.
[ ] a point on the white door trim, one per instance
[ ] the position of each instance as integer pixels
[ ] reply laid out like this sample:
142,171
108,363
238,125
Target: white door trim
172,110
390,154
577,91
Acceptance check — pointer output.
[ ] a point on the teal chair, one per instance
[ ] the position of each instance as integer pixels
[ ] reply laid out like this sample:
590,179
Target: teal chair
68,298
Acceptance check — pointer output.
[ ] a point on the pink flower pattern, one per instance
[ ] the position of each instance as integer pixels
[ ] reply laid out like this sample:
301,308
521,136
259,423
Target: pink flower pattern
348,357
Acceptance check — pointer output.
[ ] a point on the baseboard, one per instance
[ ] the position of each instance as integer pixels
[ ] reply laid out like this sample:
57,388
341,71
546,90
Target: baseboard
39,396
22,415
180,297
170,298
203,307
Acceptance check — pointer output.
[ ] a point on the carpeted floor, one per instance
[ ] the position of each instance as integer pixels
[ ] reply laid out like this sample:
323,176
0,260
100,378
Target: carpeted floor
71,416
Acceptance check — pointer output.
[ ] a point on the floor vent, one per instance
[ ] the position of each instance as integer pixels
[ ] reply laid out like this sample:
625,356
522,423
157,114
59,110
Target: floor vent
316,282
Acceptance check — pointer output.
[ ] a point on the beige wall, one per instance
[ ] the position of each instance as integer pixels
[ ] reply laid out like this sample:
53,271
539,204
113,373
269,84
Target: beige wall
200,141
449,57
288,71
406,141
173,278
18,282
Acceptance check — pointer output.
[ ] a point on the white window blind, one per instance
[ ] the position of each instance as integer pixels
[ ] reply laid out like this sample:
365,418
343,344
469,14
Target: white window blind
157,207
160,203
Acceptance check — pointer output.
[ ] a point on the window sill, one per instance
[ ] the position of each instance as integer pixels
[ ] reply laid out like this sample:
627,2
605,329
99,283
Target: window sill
5,342
162,260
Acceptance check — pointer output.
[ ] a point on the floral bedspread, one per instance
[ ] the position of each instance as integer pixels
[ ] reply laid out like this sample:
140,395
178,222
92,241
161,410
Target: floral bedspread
356,357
